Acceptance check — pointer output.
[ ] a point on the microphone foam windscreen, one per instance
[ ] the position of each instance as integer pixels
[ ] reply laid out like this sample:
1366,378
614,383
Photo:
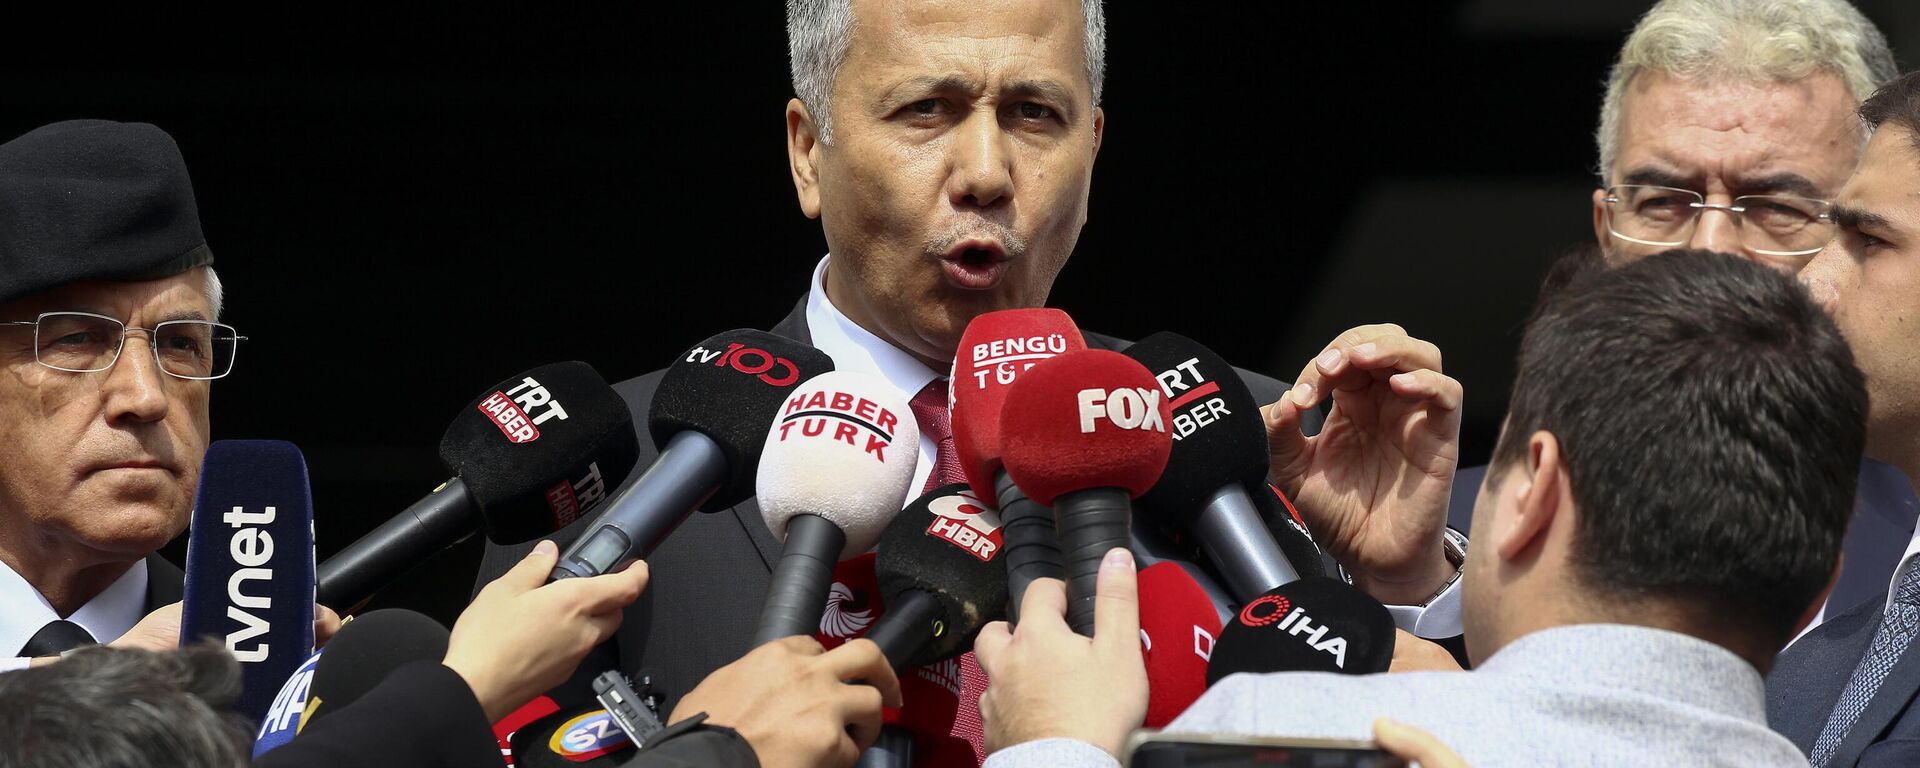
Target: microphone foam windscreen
365,651
250,563
1288,530
994,350
843,447
1178,626
729,388
945,544
539,449
1088,419
1218,435
1310,625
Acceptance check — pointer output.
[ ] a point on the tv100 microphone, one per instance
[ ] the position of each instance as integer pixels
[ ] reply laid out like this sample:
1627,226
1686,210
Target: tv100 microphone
528,456
709,418
1310,625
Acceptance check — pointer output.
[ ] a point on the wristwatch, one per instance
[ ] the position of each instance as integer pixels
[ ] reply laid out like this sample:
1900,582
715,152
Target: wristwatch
1454,544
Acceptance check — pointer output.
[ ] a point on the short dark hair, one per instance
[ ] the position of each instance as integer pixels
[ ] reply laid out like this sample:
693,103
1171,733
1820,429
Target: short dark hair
106,707
1897,102
1712,420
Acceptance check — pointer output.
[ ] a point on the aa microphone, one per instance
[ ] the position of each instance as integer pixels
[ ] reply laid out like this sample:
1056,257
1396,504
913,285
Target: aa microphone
1085,433
994,350
1219,451
528,456
938,577
1178,627
282,722
1310,625
250,563
709,418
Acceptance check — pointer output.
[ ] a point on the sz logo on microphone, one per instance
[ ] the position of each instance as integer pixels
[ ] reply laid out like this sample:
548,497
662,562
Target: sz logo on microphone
1185,386
1125,407
588,736
1274,610
1001,360
775,371
853,417
968,523
509,410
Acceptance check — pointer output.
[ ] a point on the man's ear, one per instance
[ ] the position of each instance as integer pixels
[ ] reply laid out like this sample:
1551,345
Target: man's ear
803,157
1099,129
1600,233
1541,494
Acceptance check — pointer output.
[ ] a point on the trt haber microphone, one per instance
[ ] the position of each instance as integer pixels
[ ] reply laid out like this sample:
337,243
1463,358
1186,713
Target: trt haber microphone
1219,451
938,577
1178,627
1086,433
364,652
994,350
837,467
1310,625
250,563
528,456
709,418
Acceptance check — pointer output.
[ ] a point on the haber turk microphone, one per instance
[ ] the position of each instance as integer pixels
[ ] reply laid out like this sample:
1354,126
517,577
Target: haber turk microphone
528,456
1085,433
1310,625
709,417
994,350
1178,626
837,466
938,578
250,564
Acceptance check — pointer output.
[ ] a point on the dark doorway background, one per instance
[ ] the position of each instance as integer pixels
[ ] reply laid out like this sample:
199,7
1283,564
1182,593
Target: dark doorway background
410,204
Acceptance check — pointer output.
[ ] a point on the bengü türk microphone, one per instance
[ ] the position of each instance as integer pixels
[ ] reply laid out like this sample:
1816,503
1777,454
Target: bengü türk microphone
1086,433
1310,625
938,577
837,467
1219,451
364,652
709,417
1178,626
528,456
994,350
250,563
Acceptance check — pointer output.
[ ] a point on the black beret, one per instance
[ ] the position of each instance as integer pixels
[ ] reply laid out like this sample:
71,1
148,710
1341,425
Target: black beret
95,200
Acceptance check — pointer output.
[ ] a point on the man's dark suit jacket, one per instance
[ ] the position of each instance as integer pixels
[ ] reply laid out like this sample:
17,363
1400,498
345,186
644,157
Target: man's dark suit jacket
166,584
709,578
1807,679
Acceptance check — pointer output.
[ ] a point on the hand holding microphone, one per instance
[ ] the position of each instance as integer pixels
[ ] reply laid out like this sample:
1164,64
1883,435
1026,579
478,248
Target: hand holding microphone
791,700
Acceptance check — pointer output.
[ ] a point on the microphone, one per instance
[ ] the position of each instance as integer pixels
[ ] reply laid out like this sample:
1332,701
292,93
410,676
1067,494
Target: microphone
1310,625
994,350
585,735
1219,451
1289,531
282,722
364,652
709,416
838,462
1085,433
938,578
528,456
250,564
1178,626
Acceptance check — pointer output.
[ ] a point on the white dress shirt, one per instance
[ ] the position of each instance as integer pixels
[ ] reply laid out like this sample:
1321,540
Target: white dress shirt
23,611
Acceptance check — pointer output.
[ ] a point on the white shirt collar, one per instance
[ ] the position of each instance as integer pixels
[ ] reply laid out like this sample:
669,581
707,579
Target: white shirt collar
854,348
23,610
1907,560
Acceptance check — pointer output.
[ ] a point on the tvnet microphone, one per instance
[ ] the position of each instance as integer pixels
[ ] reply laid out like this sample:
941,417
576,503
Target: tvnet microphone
1219,451
1178,627
709,416
528,456
938,578
994,350
837,466
1086,433
1310,625
250,563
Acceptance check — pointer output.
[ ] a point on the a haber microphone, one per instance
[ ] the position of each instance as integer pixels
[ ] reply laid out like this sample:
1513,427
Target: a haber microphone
1219,451
1310,625
1086,433
250,563
938,577
837,467
709,417
528,456
994,350
1178,627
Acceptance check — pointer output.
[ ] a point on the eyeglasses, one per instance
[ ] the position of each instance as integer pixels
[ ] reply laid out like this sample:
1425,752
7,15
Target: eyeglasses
1770,225
83,342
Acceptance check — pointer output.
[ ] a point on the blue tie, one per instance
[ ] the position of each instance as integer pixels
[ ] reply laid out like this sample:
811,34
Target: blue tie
1897,630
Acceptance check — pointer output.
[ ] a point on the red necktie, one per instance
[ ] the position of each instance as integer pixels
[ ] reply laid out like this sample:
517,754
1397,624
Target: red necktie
936,422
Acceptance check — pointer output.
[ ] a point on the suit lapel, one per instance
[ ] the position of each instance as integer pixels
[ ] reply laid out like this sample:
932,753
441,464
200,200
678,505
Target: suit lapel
1895,693
794,326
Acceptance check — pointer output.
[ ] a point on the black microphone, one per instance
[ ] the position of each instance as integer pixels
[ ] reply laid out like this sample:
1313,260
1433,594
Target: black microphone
364,652
709,416
529,455
1219,451
938,578
1310,625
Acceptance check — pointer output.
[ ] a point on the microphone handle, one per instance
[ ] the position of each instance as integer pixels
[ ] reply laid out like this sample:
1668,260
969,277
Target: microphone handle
894,749
690,468
1234,537
912,621
1026,531
1091,522
440,520
797,595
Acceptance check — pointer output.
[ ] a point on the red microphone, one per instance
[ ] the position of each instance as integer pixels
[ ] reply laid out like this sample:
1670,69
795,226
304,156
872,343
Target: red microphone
1177,625
1086,433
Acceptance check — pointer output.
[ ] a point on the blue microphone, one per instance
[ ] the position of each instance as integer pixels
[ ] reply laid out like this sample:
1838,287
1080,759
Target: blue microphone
283,719
250,564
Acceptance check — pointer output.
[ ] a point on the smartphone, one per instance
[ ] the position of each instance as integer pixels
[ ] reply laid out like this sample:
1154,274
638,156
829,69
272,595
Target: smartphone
1153,749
